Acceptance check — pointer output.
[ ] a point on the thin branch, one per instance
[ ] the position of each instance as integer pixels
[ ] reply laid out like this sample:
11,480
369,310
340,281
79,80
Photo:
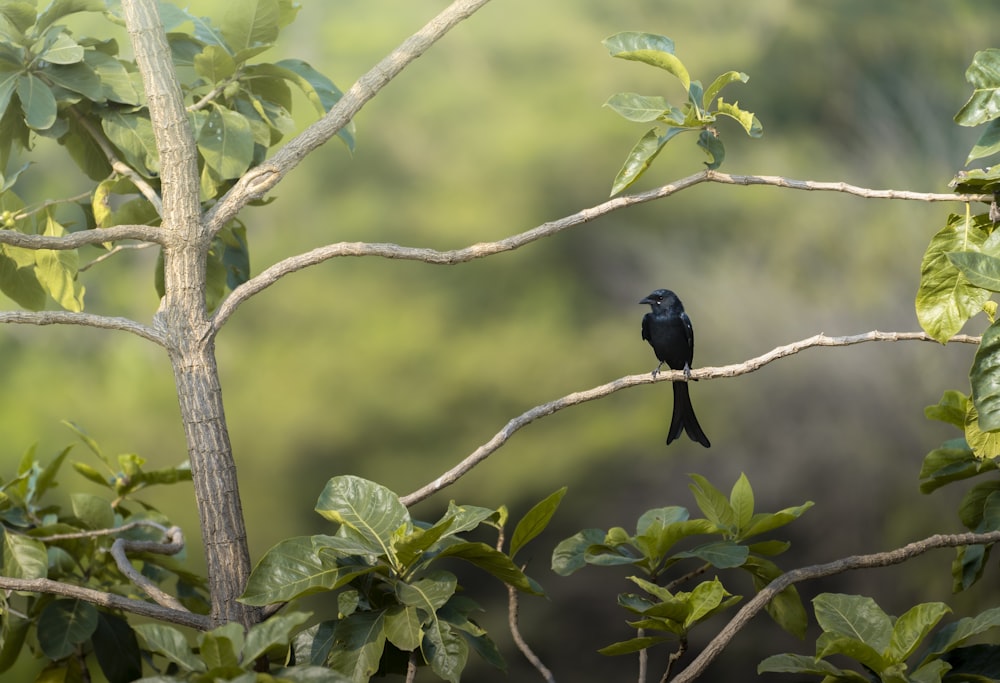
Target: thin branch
173,545
258,181
526,418
682,647
139,607
883,559
82,238
94,533
85,319
449,257
111,252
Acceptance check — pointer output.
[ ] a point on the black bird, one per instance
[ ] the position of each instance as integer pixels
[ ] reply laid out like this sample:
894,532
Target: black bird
668,330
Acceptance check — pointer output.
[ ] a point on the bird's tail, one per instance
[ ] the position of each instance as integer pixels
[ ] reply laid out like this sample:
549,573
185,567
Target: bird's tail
683,418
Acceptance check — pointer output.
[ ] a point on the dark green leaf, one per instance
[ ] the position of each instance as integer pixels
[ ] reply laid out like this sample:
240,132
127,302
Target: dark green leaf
359,641
64,624
641,156
445,650
627,647
13,630
535,521
430,592
570,554
973,663
117,649
945,465
312,646
710,142
988,143
372,511
722,554
855,617
170,643
951,636
276,631
786,608
801,664
945,298
79,78
492,561
23,557
985,378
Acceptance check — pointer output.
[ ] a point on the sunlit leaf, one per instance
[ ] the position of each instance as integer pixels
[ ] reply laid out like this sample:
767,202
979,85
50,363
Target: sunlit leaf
984,75
985,378
535,521
650,49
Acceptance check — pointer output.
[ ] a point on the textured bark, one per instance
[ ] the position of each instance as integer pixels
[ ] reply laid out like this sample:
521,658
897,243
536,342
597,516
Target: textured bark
183,322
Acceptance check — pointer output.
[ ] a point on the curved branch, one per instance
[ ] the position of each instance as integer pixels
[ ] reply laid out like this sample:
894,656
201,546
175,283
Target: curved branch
173,544
526,418
883,559
82,238
85,319
144,609
289,265
258,181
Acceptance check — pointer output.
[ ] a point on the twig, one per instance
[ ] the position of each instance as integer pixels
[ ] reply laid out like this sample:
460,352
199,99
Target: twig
139,607
411,667
883,559
82,238
93,533
674,656
173,545
482,249
85,319
526,418
112,252
258,181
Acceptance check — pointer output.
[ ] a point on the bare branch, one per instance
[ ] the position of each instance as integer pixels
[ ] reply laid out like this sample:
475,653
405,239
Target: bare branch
883,559
81,238
144,609
173,545
111,252
85,319
93,533
482,249
258,181
526,418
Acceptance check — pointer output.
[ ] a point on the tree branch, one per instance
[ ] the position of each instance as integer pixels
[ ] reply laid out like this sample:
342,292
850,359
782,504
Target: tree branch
258,181
289,265
82,238
883,559
144,609
174,543
526,418
85,319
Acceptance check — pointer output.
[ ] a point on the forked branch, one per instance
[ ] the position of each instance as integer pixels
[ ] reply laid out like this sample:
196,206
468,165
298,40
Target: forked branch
526,418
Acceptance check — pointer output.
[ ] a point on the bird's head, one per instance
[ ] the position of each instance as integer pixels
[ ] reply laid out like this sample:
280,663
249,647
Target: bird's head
660,297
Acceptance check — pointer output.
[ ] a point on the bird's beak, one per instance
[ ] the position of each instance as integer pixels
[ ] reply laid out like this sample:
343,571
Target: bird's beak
647,300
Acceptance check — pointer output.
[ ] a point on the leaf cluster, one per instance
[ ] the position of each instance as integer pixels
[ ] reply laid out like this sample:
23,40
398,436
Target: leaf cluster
699,113
40,540
732,522
392,596
884,647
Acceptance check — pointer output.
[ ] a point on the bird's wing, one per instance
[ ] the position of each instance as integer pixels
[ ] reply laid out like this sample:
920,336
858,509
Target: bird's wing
645,326
689,331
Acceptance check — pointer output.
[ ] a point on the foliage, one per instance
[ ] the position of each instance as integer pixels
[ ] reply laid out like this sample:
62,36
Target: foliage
81,93
391,594
652,550
699,113
856,627
41,540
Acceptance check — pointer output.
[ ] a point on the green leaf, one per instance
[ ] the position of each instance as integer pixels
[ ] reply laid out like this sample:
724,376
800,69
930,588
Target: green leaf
57,270
250,24
170,643
430,592
95,512
945,465
64,624
318,89
751,124
984,75
535,521
722,554
988,143
801,664
713,503
445,650
359,641
835,644
785,608
116,82
402,627
706,599
980,269
627,647
712,145
369,509
945,298
911,628
648,48
116,648
570,554
951,636
78,78
23,557
952,409
220,648
37,102
641,156
214,64
853,616
276,631
985,378
58,9
226,143
13,631
132,134
494,562
642,108
742,502
296,567
718,84
61,49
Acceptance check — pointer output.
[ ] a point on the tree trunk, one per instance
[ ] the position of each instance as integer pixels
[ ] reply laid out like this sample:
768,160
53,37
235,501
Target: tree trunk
184,321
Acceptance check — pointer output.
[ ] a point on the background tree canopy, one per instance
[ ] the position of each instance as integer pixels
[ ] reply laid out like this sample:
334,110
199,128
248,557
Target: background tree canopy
390,370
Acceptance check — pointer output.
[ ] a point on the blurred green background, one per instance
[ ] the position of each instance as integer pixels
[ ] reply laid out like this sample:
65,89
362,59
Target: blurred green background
397,370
